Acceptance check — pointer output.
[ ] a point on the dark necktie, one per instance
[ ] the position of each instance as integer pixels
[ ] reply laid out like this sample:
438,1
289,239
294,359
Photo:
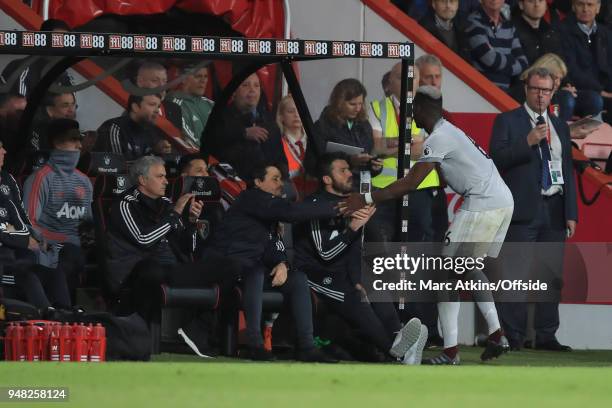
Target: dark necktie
546,158
300,146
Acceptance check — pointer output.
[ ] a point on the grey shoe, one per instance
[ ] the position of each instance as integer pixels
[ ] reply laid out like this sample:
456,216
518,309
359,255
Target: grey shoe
406,338
414,355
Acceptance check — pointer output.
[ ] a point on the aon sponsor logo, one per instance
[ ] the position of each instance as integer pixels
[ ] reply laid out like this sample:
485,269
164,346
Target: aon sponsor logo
72,212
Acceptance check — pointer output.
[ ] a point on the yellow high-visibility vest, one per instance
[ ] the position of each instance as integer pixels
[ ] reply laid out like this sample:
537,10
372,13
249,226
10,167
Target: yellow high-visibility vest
385,113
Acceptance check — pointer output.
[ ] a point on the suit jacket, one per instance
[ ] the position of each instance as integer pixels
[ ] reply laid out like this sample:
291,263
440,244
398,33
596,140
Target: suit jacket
520,164
589,64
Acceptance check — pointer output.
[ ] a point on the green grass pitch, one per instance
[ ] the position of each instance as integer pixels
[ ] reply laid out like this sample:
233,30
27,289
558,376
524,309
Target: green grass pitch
519,380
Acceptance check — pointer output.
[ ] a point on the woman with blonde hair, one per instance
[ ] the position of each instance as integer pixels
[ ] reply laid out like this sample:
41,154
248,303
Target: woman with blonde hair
293,135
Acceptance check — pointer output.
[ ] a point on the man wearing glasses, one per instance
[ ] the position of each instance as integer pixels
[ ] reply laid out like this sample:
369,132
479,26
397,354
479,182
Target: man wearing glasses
532,151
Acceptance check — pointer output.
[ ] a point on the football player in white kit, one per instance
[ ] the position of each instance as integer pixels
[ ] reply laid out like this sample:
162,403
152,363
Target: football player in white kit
483,218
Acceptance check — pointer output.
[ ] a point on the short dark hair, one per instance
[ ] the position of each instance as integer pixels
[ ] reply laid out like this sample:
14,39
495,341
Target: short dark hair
186,160
259,170
137,99
539,72
49,99
429,98
325,162
53,24
204,64
62,130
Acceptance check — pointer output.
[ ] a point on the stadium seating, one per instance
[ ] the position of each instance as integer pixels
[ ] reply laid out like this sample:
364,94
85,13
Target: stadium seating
208,190
106,189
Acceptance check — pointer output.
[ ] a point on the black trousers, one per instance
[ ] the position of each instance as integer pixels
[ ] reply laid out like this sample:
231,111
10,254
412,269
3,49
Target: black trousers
547,226
427,222
256,277
71,262
42,286
428,216
376,322
148,274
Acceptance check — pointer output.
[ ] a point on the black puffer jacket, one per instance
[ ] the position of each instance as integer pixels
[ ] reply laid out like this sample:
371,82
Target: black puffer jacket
250,226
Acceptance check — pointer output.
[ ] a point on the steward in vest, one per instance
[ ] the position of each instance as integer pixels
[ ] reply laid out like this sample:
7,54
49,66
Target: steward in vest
384,111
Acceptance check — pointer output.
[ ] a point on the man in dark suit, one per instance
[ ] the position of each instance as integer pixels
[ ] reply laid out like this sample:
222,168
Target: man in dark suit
530,147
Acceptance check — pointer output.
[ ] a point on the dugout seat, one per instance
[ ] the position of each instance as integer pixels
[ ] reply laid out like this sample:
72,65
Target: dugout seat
94,164
31,162
208,190
107,189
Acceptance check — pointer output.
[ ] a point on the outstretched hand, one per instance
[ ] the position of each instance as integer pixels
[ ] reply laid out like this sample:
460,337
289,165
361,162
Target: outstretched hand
360,217
351,203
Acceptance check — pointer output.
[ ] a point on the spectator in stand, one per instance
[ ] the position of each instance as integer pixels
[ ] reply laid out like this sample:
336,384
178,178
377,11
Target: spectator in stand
247,133
22,75
442,22
329,252
536,35
58,199
606,14
414,8
151,240
133,134
43,287
293,136
467,7
588,55
57,106
345,120
495,48
194,105
154,75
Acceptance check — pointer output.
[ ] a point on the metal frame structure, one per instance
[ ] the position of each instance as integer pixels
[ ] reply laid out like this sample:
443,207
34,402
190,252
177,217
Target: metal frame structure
73,47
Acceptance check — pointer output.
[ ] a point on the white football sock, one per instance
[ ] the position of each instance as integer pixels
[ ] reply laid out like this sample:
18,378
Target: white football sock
490,314
449,320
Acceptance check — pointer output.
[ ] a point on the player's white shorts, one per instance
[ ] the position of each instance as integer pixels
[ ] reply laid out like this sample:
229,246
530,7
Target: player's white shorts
486,229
